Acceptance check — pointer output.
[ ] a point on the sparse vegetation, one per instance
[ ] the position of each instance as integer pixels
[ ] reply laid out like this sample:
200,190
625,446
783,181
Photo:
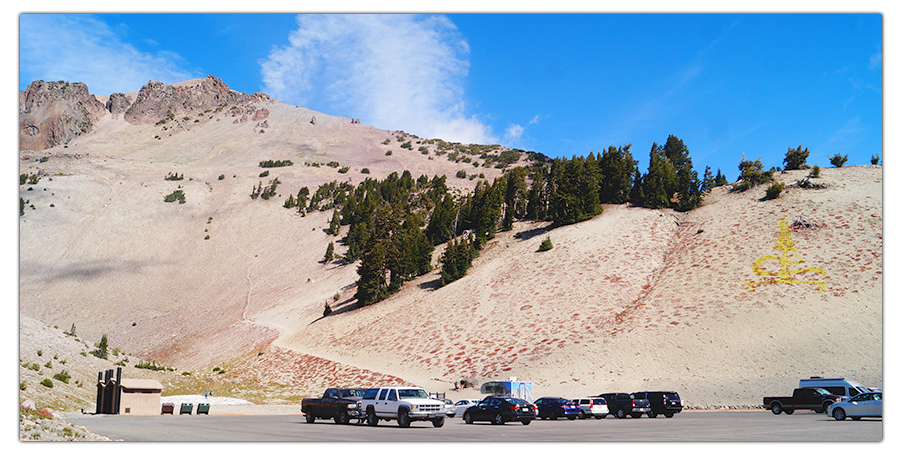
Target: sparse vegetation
838,160
875,159
47,383
63,376
774,190
814,173
177,195
546,245
101,350
275,164
795,159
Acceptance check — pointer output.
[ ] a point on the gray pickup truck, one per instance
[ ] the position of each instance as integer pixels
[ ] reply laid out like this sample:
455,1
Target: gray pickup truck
340,404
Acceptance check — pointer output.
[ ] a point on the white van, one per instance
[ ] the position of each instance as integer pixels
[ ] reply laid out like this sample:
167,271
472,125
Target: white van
837,386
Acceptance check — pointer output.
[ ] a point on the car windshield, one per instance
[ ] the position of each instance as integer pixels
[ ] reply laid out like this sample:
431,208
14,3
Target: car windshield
351,392
412,393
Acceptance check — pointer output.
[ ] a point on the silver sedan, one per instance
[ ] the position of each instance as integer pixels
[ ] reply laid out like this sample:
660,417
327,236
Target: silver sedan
864,405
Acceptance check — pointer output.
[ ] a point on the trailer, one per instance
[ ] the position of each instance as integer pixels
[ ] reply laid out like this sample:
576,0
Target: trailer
509,388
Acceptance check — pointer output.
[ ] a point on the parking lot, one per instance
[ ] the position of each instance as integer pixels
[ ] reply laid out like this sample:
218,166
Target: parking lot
688,426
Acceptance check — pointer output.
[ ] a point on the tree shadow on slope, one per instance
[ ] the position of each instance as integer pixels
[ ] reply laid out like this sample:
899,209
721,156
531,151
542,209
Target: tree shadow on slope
535,232
337,308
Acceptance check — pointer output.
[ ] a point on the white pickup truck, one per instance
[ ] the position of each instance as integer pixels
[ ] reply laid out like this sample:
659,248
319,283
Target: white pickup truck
405,404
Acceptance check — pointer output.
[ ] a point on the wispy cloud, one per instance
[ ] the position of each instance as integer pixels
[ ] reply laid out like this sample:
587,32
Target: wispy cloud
845,137
83,48
392,71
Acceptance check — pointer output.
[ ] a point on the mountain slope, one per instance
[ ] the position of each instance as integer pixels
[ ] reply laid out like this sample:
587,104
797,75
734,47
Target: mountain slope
632,299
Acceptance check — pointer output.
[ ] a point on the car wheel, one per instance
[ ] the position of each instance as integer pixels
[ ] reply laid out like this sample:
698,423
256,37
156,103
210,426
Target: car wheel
839,414
310,418
371,419
776,408
788,412
498,419
526,422
669,415
403,419
342,418
581,415
438,422
467,418
636,415
620,414
651,414
451,415
554,415
825,406
571,418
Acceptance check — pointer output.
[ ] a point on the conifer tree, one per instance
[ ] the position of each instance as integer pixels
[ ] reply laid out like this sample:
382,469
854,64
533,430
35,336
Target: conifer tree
329,252
334,227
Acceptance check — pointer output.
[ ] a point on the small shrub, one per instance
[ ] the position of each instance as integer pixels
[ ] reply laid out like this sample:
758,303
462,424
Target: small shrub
546,245
40,352
364,171
838,160
774,190
875,159
22,385
177,195
388,153
795,159
47,383
221,177
63,376
814,173
461,174
264,174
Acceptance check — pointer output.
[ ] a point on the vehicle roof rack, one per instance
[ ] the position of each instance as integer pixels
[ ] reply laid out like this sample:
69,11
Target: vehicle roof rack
823,378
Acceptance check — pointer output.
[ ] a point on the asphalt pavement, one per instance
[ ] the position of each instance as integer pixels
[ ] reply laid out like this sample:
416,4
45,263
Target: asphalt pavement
688,426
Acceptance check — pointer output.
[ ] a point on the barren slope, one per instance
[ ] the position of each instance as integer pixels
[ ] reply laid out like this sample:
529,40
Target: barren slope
632,299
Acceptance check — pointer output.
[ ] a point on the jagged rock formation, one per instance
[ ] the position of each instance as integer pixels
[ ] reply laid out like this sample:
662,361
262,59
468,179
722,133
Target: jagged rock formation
52,113
118,103
156,101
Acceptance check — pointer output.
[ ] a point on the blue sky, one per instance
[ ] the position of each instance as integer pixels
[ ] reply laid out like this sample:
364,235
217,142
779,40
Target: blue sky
562,84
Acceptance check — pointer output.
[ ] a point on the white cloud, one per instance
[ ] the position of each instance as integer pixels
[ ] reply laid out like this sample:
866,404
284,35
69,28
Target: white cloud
397,72
513,132
82,48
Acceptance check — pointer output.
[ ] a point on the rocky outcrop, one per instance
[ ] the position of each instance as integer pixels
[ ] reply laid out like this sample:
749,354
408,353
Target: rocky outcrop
53,113
118,103
157,101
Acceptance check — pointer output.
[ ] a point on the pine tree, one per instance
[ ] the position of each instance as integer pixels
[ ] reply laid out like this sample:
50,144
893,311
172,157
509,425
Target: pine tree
660,182
372,285
329,252
334,227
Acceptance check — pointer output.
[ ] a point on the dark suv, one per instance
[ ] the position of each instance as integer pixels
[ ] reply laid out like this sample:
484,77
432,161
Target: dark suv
623,404
661,403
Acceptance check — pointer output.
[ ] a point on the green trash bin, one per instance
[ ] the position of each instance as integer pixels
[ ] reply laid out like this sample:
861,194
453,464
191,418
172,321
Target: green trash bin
186,408
203,408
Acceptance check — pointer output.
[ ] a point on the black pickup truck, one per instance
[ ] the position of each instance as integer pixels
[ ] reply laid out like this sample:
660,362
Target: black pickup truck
816,399
341,404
